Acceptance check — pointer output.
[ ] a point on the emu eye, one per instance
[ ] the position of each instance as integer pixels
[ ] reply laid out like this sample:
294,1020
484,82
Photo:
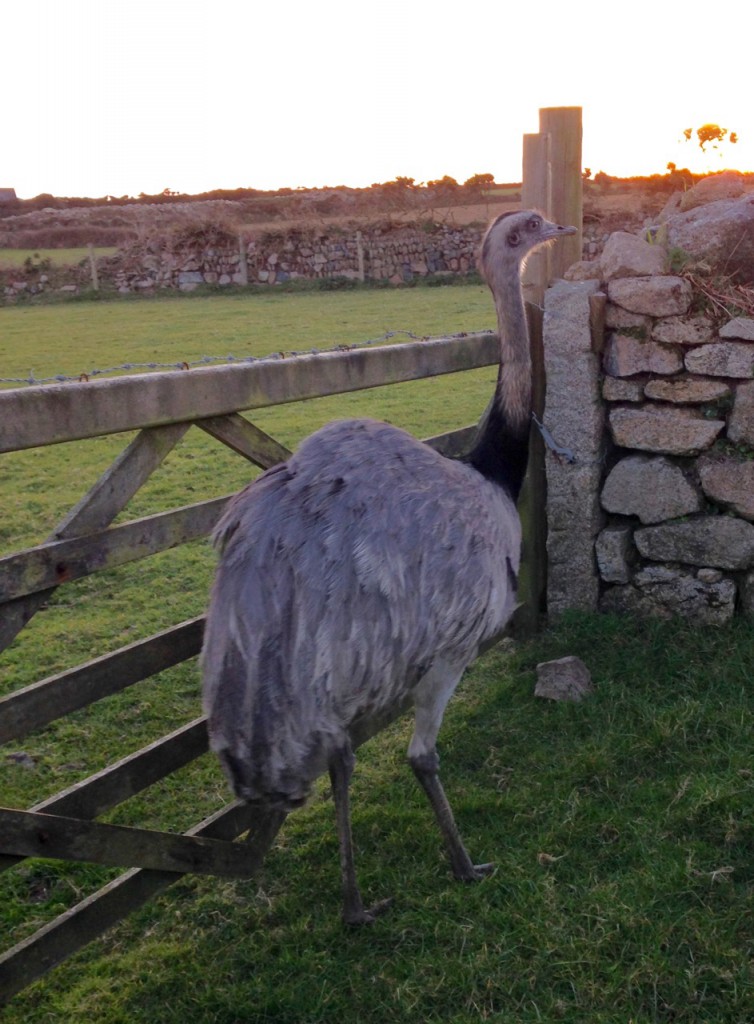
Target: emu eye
514,238
535,224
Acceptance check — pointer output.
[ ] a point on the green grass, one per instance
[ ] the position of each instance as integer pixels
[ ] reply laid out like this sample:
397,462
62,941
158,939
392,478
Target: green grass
37,488
15,258
623,827
80,337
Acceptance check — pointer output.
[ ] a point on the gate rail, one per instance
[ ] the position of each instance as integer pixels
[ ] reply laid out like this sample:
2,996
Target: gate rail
161,407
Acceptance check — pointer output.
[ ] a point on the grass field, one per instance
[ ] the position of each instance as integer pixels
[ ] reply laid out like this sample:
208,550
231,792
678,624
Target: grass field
37,488
623,828
11,258
81,337
622,831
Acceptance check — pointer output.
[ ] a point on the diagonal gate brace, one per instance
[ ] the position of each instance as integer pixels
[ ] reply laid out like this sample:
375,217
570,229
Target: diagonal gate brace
31,834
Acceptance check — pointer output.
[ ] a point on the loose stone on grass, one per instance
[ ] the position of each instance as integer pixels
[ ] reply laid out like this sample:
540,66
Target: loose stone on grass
563,679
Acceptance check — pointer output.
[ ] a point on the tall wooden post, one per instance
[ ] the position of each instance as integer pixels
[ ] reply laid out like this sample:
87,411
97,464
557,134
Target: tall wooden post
535,195
565,206
551,183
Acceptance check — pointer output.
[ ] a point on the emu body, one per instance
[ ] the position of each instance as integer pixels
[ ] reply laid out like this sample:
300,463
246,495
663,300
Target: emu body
365,569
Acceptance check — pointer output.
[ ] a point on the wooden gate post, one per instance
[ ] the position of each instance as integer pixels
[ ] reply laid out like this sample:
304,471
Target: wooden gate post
535,195
565,202
551,183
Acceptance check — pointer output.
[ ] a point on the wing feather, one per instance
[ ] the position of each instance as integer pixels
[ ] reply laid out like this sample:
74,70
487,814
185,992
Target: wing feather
344,574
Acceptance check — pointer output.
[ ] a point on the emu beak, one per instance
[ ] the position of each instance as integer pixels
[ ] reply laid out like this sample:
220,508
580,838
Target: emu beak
556,230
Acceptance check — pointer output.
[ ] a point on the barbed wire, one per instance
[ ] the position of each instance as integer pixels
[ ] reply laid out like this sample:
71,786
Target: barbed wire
187,364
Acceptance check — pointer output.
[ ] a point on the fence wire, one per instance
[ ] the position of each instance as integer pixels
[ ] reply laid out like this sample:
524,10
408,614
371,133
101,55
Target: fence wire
187,364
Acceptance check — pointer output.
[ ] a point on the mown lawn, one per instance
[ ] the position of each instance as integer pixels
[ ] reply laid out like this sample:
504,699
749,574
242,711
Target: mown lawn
622,828
12,258
86,336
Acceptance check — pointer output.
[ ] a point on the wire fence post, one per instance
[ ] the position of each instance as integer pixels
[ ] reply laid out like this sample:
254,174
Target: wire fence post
243,265
360,254
93,267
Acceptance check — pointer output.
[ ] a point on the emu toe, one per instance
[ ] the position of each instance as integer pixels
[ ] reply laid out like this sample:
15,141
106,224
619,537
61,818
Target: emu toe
475,872
360,915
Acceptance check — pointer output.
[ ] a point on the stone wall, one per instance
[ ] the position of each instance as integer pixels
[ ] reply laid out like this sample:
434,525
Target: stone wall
394,254
666,525
389,253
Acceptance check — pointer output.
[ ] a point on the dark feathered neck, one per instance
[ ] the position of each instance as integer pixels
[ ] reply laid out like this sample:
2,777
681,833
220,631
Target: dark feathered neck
501,450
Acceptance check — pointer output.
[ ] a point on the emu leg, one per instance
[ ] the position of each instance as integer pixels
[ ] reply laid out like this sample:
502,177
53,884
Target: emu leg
430,700
341,769
425,767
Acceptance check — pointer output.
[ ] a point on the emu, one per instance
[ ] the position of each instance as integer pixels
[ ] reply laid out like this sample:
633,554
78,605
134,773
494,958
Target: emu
365,571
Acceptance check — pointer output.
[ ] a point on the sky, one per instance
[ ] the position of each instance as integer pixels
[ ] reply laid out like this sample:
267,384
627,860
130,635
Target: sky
103,97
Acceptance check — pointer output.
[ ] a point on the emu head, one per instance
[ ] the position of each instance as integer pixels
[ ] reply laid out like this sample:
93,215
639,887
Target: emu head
509,240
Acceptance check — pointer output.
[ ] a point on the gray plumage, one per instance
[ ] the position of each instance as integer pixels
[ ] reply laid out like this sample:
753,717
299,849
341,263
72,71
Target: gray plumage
365,569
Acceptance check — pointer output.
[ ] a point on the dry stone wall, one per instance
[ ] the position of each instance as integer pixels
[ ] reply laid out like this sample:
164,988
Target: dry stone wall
670,527
656,516
397,255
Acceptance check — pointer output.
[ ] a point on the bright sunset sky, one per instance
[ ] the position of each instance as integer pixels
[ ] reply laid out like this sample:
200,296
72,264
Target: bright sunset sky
137,96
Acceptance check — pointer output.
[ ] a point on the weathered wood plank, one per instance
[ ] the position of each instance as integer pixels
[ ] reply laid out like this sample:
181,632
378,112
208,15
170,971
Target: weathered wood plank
246,439
118,484
132,774
97,509
30,834
35,706
62,561
120,781
48,565
30,417
52,944
454,443
81,924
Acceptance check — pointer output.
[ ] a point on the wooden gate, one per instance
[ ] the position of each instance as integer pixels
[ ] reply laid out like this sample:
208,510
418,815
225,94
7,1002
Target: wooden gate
161,408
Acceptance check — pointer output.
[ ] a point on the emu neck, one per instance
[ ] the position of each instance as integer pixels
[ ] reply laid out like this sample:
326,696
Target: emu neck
502,446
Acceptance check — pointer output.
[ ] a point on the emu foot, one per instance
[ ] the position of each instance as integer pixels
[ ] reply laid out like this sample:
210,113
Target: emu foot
359,915
474,872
